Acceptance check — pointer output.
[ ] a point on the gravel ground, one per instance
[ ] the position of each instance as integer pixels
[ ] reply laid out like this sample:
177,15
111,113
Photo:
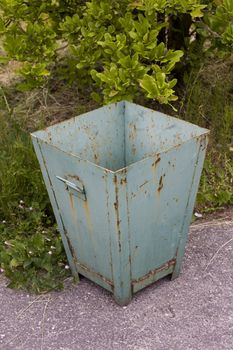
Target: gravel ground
192,312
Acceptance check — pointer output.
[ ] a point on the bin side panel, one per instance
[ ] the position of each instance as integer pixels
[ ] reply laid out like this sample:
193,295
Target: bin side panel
149,132
97,136
202,144
158,191
85,221
55,206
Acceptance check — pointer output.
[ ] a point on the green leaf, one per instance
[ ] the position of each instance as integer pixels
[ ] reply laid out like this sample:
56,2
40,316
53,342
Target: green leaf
125,62
4,59
149,84
197,11
96,97
14,263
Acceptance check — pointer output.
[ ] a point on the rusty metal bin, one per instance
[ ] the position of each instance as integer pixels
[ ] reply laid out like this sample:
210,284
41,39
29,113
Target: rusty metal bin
122,181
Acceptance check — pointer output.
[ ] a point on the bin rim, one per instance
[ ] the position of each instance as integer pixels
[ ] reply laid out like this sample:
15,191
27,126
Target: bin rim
125,168
123,102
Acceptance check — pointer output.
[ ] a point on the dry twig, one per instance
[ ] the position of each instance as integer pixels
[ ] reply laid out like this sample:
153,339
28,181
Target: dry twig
220,248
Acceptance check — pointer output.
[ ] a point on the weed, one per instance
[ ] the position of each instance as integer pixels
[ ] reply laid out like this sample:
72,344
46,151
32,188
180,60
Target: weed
216,187
208,101
31,251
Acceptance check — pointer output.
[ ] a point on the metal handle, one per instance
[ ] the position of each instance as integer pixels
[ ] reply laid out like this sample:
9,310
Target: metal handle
76,190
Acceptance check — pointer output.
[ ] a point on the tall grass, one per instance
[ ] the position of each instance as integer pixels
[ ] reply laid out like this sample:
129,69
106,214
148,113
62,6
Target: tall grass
31,251
208,102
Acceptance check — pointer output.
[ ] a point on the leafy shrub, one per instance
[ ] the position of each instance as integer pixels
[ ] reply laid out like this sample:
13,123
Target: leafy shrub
216,187
123,48
219,28
31,251
208,101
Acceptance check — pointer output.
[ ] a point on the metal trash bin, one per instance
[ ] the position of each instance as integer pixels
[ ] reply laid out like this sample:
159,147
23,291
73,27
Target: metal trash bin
122,181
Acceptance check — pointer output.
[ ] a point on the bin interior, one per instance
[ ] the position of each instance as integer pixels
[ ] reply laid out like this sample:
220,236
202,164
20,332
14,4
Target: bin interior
118,135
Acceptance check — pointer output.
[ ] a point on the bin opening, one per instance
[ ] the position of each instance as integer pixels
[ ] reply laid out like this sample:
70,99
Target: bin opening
119,134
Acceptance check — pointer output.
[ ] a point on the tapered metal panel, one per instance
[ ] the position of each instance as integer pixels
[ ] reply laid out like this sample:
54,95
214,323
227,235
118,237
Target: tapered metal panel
122,181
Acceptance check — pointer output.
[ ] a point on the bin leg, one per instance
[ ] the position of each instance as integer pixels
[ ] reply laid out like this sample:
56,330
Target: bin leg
176,270
180,254
123,294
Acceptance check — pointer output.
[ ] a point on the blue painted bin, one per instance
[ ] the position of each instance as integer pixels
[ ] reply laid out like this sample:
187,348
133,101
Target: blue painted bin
122,181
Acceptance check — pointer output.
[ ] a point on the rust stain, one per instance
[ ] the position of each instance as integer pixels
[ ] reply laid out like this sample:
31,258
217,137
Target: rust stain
88,215
143,184
75,177
95,274
49,136
133,128
204,141
124,171
129,238
72,252
156,162
178,137
160,184
116,206
178,145
130,260
90,227
71,201
123,181
152,273
109,221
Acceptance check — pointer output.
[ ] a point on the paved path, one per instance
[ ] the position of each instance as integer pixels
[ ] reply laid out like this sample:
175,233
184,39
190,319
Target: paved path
193,312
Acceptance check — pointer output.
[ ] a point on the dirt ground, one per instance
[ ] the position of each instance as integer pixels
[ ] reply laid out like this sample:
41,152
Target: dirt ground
193,312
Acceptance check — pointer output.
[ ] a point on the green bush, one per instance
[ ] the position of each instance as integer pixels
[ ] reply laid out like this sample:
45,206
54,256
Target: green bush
219,27
216,187
31,251
120,48
208,101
